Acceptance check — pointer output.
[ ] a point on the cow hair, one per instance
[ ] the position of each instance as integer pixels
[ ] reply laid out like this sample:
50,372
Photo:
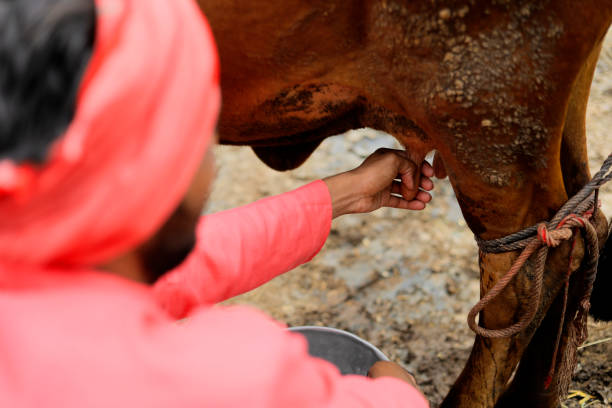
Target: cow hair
45,46
601,299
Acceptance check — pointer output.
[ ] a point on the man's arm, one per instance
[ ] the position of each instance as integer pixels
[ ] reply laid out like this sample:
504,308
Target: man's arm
242,248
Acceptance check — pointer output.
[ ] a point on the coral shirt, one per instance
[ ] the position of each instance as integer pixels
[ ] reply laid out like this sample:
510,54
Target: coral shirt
90,339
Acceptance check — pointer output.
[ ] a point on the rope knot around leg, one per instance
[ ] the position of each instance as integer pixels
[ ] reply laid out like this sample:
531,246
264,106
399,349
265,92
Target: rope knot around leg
575,213
553,238
545,237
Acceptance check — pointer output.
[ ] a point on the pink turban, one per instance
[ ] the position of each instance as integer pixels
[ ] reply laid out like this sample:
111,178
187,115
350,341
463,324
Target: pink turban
146,113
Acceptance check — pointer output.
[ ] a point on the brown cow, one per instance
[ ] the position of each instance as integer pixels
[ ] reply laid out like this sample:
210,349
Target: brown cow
497,87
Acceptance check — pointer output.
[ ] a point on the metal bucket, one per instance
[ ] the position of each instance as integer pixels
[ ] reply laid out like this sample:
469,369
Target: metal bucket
351,354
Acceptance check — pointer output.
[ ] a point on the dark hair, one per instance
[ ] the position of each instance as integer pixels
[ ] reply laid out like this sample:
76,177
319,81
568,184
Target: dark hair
45,46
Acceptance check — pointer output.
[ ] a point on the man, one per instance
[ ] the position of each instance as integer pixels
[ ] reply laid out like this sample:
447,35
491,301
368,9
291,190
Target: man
107,116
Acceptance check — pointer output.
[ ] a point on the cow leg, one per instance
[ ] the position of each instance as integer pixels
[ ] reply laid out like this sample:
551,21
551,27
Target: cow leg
493,361
529,385
576,174
601,303
492,212
500,192
520,191
528,388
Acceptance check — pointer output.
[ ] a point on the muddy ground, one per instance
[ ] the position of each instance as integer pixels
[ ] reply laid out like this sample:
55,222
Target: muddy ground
405,281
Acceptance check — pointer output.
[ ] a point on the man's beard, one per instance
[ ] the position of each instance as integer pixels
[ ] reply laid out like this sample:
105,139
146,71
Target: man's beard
171,245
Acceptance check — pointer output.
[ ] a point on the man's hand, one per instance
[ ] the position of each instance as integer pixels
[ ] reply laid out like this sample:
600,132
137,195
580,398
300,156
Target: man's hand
387,178
388,369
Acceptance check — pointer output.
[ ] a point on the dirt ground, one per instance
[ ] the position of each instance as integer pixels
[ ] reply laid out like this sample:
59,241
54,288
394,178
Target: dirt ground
404,281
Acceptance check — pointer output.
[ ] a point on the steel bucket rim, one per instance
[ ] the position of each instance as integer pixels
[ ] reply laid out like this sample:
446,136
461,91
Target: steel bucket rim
324,329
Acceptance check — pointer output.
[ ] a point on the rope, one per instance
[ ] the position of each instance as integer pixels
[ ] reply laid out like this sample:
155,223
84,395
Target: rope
544,239
518,240
575,213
